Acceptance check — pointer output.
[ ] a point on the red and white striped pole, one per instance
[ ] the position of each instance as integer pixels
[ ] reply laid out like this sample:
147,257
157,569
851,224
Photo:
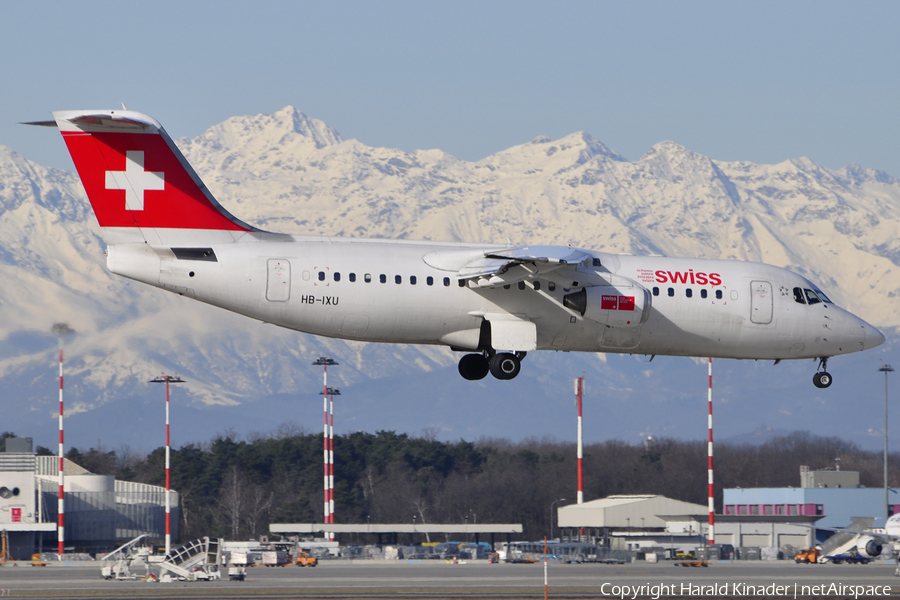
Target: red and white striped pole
61,330
326,457
61,529
325,361
712,511
579,391
167,379
331,393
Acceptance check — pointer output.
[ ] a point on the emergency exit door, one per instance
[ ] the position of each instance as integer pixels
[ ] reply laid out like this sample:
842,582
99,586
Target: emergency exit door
760,302
278,284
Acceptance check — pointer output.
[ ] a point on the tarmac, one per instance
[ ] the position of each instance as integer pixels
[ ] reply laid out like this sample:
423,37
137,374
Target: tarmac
473,580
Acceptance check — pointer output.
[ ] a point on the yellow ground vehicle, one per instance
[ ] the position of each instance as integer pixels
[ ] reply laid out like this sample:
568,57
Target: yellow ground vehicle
305,560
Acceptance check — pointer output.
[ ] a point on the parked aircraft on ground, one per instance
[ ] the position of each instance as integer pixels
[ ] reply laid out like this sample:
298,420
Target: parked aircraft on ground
496,303
871,543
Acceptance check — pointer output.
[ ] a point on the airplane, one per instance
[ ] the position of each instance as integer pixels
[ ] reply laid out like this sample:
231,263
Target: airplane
871,543
495,303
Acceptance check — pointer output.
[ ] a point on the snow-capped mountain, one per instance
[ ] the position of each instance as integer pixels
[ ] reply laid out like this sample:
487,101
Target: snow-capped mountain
292,173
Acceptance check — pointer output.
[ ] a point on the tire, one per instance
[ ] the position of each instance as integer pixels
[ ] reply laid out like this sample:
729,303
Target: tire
473,367
505,366
822,380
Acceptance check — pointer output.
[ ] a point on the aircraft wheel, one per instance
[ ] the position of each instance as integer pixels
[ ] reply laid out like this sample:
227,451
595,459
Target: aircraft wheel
473,367
822,379
505,365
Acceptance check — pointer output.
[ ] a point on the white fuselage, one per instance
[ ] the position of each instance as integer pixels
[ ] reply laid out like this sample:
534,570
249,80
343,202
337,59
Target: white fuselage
409,292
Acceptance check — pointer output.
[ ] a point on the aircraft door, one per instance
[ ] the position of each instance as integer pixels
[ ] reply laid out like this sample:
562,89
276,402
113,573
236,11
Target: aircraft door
278,284
760,302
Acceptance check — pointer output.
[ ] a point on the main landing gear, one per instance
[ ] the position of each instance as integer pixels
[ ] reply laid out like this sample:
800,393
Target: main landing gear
502,365
822,378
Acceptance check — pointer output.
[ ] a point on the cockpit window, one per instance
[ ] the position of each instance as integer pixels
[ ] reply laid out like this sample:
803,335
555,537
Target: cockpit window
812,297
822,295
798,296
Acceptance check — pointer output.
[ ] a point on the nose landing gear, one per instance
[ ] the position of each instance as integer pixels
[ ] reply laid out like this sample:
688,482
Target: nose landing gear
822,378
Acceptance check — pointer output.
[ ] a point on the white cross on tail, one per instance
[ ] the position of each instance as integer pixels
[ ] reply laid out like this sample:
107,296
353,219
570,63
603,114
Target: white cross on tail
135,180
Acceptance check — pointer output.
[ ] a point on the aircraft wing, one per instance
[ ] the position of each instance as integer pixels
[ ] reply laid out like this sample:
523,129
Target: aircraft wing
503,267
888,537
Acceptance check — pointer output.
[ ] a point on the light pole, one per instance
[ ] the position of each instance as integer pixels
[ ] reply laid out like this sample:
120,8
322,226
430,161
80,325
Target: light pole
325,361
332,392
61,330
552,504
886,369
167,379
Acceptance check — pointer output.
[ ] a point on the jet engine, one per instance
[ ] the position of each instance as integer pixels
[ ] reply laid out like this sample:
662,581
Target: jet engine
869,546
615,306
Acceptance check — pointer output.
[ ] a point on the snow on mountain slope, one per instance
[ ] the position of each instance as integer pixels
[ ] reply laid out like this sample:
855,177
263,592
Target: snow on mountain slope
288,172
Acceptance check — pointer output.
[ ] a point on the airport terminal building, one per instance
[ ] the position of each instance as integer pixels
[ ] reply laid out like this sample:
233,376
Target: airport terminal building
835,496
99,511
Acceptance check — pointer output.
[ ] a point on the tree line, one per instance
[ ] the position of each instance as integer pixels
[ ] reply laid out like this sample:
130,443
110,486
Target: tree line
234,487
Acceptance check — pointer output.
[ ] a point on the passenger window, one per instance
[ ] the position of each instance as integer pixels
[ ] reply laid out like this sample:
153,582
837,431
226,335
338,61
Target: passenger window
368,277
398,279
446,281
337,276
429,280
462,283
703,293
382,278
811,297
412,280
352,277
656,291
321,275
798,296
596,262
506,287
521,285
689,292
671,292
551,286
537,286
718,294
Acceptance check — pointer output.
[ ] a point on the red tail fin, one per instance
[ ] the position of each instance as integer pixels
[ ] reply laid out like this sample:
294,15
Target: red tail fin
140,185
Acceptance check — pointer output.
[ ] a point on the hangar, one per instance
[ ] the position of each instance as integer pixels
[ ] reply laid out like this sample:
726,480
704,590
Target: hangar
639,522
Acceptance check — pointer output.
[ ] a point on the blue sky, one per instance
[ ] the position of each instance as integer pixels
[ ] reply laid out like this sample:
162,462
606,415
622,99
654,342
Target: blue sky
760,81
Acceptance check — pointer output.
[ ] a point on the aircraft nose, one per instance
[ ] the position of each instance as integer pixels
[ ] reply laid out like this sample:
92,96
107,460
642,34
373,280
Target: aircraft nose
873,337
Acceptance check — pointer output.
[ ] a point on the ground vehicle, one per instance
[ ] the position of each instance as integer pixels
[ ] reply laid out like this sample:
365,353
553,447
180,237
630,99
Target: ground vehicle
807,555
305,560
852,559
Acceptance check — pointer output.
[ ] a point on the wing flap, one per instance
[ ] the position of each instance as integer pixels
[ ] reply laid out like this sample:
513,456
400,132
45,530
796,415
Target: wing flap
503,267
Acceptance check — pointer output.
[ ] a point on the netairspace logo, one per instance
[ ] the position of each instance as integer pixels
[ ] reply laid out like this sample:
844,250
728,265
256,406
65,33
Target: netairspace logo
662,590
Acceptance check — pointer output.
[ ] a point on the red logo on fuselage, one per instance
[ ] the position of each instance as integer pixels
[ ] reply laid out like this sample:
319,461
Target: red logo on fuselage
692,277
